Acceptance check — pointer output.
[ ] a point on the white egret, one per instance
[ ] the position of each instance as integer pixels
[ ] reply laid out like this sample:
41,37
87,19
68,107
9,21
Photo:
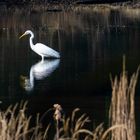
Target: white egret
41,49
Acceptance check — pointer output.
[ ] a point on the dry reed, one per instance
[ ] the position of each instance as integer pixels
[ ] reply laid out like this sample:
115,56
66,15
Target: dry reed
15,125
122,108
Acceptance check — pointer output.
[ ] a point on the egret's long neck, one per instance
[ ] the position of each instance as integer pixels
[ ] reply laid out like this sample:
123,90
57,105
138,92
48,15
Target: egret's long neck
31,40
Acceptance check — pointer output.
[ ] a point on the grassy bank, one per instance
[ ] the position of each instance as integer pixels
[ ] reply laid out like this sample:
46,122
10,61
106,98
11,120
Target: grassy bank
66,5
15,125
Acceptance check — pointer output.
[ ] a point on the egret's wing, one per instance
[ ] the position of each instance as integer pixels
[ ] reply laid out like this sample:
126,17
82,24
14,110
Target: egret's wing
45,50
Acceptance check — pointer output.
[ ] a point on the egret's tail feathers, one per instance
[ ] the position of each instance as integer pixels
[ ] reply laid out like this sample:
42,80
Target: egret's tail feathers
56,54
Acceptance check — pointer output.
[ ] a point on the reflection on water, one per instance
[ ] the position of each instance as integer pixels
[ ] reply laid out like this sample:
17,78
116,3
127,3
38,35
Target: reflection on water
91,41
39,71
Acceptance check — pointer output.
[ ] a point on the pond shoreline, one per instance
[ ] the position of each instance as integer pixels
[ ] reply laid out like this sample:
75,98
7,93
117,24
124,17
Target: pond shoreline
66,6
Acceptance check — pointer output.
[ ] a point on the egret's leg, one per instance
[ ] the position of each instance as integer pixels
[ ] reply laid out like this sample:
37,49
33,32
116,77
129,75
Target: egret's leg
42,58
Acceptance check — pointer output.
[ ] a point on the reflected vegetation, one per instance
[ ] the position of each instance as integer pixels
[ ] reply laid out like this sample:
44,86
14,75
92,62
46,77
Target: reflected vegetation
38,71
131,13
60,28
91,40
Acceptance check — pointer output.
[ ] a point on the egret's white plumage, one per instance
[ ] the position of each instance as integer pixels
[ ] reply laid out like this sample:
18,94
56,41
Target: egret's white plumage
41,49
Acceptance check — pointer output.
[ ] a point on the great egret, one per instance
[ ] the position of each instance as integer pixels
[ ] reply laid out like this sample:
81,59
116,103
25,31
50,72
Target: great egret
41,49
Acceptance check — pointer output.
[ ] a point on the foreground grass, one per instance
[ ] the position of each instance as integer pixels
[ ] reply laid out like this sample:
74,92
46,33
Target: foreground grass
122,108
15,125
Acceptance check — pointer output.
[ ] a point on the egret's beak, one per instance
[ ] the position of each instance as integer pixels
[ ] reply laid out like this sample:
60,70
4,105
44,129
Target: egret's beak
22,36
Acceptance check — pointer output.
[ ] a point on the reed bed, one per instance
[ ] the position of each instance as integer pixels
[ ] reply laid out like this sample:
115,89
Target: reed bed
122,108
16,125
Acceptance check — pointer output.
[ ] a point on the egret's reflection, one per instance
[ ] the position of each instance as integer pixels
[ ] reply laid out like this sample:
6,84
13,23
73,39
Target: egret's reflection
38,71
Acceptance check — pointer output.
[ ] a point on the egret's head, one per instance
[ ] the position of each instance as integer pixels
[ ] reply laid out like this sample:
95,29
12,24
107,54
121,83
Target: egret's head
26,33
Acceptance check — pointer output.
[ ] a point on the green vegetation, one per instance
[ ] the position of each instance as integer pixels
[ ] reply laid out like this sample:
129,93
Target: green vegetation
15,125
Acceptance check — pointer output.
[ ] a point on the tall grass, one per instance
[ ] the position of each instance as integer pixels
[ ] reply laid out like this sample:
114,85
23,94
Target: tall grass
122,108
15,125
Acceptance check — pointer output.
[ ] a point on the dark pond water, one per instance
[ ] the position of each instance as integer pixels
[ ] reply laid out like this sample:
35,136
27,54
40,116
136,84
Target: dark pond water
91,43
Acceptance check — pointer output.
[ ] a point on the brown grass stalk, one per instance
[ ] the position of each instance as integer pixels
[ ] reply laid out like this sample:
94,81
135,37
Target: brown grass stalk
122,109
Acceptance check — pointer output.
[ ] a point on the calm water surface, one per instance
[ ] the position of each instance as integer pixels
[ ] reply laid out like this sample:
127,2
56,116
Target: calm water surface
91,44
